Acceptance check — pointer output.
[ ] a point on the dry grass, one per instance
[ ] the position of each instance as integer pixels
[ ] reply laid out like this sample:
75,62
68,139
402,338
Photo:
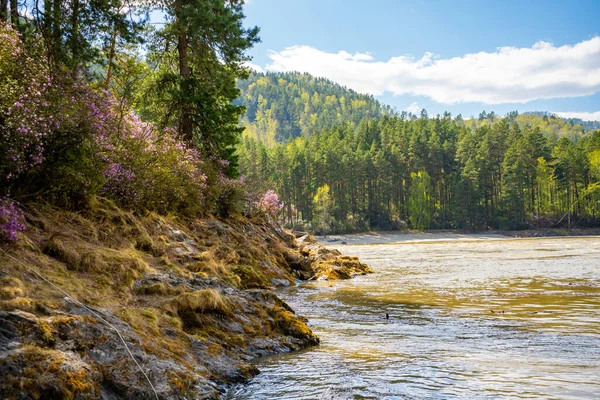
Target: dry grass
157,289
21,303
205,301
58,248
98,255
10,288
251,277
206,263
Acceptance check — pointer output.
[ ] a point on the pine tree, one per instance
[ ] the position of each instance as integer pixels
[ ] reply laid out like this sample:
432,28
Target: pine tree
198,83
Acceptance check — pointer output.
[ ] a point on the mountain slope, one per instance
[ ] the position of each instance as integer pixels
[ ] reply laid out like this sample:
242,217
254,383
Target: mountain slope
552,126
586,125
283,106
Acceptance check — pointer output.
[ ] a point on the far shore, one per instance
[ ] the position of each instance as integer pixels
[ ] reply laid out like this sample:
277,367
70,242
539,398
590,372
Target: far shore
382,237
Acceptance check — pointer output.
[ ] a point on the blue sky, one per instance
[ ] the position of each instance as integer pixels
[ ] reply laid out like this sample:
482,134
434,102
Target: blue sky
459,56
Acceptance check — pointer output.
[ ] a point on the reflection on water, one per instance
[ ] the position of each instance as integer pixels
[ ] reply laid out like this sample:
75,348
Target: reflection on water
470,317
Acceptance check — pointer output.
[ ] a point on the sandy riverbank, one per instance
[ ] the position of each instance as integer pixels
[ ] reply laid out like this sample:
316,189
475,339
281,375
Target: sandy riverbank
441,235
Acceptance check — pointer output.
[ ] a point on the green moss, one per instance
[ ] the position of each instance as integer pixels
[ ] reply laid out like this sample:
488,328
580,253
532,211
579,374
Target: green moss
47,374
251,277
290,324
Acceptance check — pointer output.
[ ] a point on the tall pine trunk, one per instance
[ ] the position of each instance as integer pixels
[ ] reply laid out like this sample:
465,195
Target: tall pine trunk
75,36
111,59
14,13
4,10
185,123
55,40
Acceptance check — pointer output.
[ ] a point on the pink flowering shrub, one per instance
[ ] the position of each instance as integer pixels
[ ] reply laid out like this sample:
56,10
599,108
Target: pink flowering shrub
51,128
67,141
269,203
23,123
120,183
11,220
150,169
227,195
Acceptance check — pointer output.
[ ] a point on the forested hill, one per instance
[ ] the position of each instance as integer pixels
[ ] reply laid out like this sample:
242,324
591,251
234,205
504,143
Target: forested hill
550,125
430,173
342,161
586,125
283,106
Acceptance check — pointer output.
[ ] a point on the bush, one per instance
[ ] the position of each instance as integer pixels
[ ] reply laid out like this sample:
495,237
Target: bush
269,203
64,140
52,129
11,220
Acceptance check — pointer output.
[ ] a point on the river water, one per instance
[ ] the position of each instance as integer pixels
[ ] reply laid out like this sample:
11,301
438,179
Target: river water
470,316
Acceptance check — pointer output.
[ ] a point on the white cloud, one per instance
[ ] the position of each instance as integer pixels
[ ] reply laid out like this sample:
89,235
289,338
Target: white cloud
414,108
356,56
253,67
586,116
508,75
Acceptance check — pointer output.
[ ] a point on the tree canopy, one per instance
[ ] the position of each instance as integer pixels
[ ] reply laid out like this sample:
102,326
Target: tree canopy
407,171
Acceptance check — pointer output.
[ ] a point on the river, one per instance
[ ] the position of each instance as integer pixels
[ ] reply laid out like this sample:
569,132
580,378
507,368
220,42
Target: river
470,316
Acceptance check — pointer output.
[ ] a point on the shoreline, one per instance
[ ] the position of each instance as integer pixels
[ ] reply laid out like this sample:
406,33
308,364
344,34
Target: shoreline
389,237
193,300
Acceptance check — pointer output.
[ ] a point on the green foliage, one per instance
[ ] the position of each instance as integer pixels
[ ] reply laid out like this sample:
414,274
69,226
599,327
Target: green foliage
199,55
283,106
84,114
419,200
393,171
77,34
550,125
323,204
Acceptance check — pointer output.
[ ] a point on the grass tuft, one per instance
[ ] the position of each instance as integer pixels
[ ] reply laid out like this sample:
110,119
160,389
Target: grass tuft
205,301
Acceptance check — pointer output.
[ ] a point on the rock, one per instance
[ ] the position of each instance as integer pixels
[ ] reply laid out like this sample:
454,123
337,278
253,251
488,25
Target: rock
280,282
193,314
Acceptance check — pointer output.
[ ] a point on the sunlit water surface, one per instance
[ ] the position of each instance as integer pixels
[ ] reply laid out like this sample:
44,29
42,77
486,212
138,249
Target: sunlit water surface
474,316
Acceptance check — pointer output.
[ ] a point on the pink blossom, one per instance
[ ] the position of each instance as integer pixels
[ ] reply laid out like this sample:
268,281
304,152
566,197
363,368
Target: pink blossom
269,203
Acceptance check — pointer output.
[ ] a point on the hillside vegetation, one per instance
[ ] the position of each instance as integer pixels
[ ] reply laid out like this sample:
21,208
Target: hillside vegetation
550,125
342,162
432,173
284,106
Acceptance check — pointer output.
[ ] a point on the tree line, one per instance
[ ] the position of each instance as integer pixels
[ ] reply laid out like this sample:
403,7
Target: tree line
403,170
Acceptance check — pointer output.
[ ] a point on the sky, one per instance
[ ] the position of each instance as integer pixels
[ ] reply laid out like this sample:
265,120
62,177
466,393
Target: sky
461,56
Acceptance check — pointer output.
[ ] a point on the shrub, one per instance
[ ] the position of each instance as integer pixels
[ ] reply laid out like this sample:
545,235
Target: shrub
11,220
269,203
52,129
64,140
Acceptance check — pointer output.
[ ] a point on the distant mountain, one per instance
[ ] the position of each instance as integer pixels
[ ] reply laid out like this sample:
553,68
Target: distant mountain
550,124
587,125
283,106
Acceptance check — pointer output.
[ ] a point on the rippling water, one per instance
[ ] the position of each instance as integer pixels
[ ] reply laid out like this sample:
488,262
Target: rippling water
470,317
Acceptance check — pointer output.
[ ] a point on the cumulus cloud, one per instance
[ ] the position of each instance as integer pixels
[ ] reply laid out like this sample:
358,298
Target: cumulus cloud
253,67
586,116
414,108
508,75
355,57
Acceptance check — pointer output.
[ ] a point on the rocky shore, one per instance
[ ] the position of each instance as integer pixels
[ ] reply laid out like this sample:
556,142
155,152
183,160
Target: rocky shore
109,305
